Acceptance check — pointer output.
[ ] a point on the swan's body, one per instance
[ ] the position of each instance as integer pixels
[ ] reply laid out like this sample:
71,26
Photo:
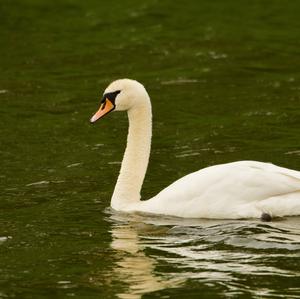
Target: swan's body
244,189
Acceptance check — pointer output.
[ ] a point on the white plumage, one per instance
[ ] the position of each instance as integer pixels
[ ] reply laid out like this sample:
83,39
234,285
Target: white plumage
244,189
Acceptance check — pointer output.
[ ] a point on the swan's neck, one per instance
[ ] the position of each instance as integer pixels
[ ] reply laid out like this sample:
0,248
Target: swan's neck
136,157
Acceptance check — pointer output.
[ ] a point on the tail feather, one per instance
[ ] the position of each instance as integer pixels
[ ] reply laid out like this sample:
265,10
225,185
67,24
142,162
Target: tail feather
282,205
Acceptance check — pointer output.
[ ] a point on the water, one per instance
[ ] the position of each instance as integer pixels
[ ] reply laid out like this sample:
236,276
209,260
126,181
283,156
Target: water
224,82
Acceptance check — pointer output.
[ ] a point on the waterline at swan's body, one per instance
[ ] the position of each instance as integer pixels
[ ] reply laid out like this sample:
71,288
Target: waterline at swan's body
244,189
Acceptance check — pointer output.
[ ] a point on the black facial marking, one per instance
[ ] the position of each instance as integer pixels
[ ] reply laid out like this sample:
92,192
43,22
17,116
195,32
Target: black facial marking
111,96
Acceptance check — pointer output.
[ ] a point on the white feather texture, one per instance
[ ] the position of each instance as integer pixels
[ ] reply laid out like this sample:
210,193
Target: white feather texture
243,189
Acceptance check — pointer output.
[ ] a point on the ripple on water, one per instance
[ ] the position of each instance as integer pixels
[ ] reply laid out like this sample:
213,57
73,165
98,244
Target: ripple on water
3,239
216,253
179,81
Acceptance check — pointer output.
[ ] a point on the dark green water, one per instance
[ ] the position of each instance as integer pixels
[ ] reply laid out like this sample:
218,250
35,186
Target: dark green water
225,85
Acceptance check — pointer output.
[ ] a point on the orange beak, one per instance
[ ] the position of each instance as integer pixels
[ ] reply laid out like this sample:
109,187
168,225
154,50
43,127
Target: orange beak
105,108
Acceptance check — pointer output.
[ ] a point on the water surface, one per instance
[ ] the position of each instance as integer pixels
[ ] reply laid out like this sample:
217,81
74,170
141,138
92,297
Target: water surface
224,82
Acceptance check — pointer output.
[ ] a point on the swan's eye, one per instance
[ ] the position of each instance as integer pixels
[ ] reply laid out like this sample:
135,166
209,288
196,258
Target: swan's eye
111,96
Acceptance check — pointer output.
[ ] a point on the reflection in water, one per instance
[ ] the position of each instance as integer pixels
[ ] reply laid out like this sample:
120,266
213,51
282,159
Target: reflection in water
156,253
135,268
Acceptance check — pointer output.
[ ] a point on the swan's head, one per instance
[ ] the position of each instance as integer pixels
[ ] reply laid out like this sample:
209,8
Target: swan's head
121,95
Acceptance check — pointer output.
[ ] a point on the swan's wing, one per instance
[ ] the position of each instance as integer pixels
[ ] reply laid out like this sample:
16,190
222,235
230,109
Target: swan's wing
227,188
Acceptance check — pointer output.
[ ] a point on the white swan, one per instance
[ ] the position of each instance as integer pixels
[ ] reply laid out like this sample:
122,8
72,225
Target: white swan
244,189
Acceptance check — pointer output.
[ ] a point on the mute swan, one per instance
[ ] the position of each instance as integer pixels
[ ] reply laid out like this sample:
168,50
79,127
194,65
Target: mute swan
244,189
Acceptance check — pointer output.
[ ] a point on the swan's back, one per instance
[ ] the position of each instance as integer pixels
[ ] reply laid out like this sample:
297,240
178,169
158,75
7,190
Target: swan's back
235,190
